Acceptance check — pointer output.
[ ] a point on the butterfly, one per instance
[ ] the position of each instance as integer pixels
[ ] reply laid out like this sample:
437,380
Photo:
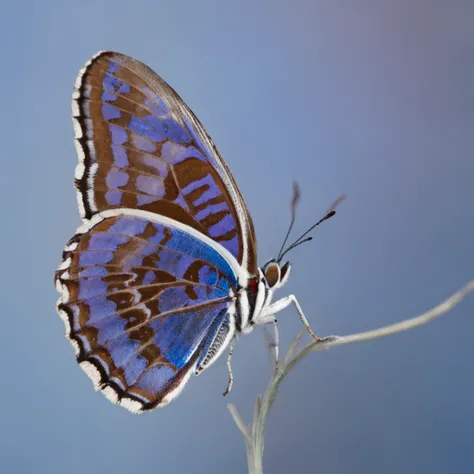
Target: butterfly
162,275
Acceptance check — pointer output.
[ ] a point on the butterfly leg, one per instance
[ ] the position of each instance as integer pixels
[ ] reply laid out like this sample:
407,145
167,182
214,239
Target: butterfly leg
231,377
272,342
276,344
282,303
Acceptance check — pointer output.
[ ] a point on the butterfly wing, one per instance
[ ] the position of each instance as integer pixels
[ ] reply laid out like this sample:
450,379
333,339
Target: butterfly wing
143,299
141,147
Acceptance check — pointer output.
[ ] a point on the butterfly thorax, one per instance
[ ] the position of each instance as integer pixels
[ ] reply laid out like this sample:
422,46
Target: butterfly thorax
256,297
252,292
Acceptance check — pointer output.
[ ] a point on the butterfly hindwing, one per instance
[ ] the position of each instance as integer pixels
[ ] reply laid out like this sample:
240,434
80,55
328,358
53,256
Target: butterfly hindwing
143,301
141,147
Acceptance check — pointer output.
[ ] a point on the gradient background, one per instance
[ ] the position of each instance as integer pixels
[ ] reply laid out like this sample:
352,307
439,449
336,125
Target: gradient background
371,98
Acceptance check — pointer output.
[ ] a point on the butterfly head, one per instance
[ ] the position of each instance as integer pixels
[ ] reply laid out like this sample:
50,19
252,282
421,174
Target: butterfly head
276,275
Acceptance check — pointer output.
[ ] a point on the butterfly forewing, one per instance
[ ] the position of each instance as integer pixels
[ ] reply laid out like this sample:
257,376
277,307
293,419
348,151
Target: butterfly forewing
141,147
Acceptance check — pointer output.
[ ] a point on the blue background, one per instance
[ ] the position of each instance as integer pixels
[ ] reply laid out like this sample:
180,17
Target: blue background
371,98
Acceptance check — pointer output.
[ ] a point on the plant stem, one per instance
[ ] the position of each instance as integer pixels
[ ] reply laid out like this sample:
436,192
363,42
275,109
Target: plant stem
255,433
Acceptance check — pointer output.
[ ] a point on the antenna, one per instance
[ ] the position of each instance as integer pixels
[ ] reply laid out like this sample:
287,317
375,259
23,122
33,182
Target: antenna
301,239
294,202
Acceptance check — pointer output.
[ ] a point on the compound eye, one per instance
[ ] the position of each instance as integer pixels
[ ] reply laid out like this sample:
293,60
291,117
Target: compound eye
272,274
